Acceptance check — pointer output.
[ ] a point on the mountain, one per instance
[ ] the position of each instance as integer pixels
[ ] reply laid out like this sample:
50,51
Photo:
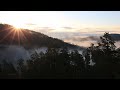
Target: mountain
21,43
10,35
115,37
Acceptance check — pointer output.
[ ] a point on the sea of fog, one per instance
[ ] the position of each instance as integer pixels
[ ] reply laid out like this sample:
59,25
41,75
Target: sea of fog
80,38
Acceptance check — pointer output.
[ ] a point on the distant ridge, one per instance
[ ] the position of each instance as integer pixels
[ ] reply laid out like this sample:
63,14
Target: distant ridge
115,37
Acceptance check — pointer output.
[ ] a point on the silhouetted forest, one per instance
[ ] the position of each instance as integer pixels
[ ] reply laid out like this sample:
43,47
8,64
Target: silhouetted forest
100,61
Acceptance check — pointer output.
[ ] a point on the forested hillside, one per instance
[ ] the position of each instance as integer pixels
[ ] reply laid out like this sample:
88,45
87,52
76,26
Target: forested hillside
101,62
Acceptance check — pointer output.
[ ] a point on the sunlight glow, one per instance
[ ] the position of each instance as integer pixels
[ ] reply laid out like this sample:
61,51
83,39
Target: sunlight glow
15,34
21,19
82,21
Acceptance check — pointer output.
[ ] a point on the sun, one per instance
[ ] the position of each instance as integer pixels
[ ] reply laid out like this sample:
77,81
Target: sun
18,26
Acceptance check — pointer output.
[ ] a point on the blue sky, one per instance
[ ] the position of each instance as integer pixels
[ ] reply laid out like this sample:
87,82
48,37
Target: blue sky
95,17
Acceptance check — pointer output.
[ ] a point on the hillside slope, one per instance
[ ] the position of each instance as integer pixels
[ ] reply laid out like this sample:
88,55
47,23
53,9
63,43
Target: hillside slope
9,35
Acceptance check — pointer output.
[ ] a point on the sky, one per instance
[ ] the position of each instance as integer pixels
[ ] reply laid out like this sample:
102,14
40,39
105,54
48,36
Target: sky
59,19
64,24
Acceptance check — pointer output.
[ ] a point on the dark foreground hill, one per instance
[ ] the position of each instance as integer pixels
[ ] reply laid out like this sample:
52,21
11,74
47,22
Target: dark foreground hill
10,35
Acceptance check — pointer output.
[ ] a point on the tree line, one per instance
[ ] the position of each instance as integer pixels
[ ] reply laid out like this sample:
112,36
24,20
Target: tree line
97,61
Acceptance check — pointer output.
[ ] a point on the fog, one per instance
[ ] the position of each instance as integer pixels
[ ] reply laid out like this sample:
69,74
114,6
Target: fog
13,53
83,39
77,38
117,44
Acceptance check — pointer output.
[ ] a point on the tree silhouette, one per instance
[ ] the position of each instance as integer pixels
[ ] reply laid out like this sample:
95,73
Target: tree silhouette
104,57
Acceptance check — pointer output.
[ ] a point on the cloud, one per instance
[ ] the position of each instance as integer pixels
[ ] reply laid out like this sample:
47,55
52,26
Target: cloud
87,40
30,24
82,39
67,27
103,31
44,30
